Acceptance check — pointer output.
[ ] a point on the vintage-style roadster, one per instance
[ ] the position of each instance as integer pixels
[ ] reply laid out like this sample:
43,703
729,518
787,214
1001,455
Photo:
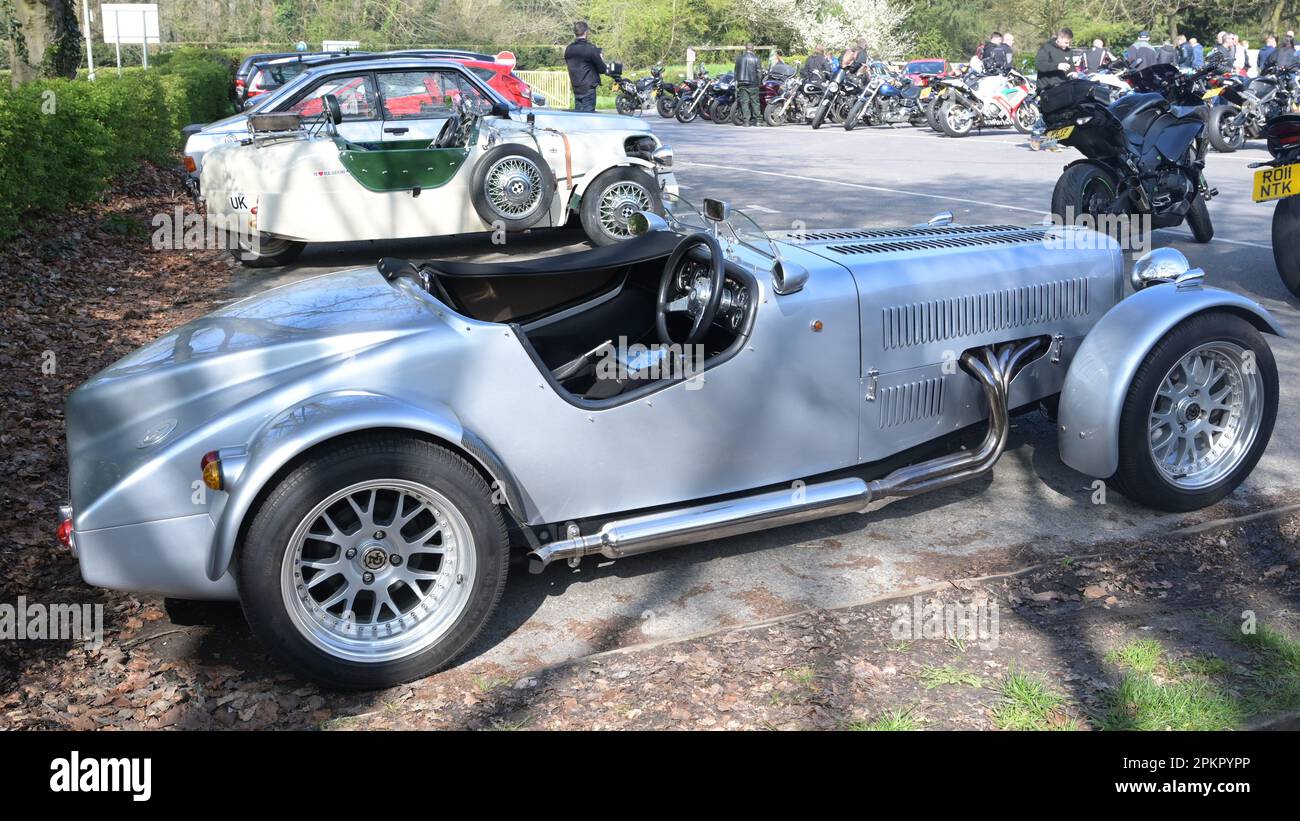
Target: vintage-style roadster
353,456
453,159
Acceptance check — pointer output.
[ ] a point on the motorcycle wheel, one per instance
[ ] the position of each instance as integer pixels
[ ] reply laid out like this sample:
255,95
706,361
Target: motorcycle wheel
720,112
855,111
1223,136
773,115
1286,242
932,113
820,116
1026,117
686,113
666,106
1083,189
956,119
625,106
839,111
1198,219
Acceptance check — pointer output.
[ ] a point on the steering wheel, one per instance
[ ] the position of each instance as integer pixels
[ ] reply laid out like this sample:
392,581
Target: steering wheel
701,302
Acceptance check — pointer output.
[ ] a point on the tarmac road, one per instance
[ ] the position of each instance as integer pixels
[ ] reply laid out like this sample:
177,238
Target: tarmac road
869,177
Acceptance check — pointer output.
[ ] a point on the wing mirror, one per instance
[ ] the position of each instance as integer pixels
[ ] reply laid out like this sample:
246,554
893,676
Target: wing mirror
1163,265
717,210
787,277
333,111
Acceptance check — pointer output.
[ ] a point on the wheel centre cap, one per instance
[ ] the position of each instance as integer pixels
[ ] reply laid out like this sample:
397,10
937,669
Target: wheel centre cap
374,558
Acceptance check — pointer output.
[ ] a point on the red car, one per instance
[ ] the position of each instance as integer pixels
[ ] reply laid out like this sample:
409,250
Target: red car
920,71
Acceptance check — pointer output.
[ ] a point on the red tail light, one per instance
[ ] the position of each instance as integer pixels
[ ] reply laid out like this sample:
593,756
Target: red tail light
65,533
1283,133
239,83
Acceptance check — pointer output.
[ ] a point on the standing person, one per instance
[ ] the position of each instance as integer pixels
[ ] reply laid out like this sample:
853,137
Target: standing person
1097,56
849,57
1141,54
817,62
1054,60
1270,46
1221,44
585,64
1186,57
1250,66
1198,53
747,79
995,53
1167,54
1284,56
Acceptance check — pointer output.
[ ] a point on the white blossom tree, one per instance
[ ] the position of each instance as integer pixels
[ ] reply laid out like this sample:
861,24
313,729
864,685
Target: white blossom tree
837,23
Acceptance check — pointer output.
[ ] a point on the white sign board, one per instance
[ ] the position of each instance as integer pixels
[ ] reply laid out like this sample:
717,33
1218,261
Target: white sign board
130,23
340,45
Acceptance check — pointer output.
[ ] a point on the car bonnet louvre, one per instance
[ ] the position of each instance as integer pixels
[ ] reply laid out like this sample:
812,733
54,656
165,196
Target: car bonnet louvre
1015,237
901,233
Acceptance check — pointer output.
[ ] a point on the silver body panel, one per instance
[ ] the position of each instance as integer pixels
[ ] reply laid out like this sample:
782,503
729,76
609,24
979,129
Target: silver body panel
267,378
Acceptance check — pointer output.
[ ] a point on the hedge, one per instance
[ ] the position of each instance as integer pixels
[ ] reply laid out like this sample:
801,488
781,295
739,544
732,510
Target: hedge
63,141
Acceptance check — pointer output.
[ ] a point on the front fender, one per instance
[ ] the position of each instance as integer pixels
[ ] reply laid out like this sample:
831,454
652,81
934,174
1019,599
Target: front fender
247,471
636,162
1102,370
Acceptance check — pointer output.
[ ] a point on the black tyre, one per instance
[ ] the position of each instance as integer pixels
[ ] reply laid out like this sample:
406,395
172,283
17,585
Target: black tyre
1286,242
956,119
720,111
512,186
613,198
267,252
1198,219
774,114
1083,189
1224,135
686,113
855,111
819,116
375,563
627,106
1198,414
666,106
931,111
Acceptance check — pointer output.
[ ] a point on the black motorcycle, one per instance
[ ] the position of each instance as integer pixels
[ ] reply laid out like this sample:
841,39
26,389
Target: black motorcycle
632,96
1248,106
722,99
841,91
665,93
1144,153
692,97
797,99
1279,179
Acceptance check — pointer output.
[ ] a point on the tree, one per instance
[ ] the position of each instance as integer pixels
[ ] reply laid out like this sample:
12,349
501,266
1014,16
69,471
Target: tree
44,38
837,23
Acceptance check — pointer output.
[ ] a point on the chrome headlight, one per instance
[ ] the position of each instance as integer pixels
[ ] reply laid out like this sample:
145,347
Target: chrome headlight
1162,265
663,156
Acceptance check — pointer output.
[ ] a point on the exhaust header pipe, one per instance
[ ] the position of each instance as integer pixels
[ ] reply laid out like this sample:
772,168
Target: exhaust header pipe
994,367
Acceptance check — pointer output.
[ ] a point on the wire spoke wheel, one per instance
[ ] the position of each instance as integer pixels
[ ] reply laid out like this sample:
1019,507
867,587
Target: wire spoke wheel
619,203
1206,414
513,187
379,570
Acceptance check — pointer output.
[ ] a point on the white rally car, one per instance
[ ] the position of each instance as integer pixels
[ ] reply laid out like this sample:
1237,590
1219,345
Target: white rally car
450,157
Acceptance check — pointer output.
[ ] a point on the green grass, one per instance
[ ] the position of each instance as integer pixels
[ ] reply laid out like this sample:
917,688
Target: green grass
1160,693
933,677
1138,656
1029,704
890,721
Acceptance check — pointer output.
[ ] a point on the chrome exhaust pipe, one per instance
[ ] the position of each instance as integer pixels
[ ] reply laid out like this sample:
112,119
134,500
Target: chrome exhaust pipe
995,368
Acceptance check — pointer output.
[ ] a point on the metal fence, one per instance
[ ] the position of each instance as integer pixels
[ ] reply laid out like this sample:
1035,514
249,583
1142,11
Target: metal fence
553,85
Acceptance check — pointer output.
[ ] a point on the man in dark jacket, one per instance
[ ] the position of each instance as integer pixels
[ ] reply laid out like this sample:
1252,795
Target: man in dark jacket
586,64
1054,60
1186,55
1283,57
1270,46
1097,56
996,56
1141,54
748,76
817,62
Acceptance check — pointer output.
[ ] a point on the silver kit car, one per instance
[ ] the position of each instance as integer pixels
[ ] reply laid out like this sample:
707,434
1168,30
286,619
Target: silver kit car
354,456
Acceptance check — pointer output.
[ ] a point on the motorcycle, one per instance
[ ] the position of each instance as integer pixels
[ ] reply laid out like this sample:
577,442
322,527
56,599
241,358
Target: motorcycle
995,100
1248,106
722,99
1143,153
691,97
844,86
1279,179
886,99
633,96
796,100
665,93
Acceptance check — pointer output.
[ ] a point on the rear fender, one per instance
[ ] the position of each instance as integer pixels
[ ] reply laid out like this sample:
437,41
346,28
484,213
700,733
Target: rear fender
247,471
1103,368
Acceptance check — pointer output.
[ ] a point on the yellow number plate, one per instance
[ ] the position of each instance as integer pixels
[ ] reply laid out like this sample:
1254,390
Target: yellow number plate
1060,133
1277,183
925,92
1212,93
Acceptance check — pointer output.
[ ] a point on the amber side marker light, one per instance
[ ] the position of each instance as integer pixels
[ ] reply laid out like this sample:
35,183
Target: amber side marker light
211,466
189,165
